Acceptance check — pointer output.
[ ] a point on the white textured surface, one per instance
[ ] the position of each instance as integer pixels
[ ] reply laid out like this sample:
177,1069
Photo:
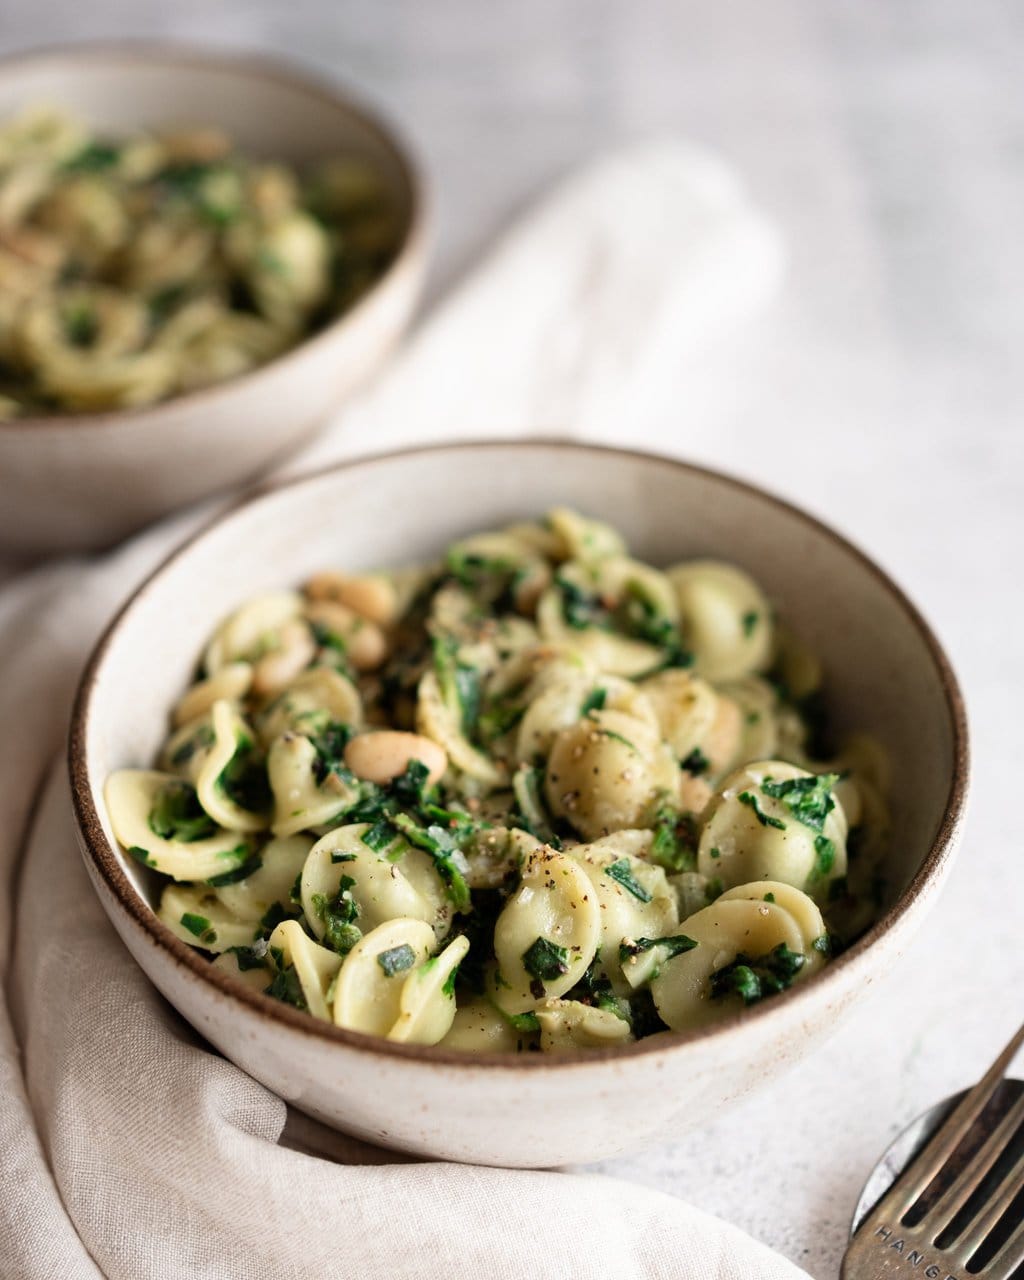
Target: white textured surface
884,392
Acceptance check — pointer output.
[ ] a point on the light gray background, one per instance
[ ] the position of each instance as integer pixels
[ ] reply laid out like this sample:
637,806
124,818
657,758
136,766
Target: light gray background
883,391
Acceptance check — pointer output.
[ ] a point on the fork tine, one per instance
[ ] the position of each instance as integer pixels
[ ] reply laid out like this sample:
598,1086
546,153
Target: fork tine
981,1228
910,1185
953,1199
1010,1256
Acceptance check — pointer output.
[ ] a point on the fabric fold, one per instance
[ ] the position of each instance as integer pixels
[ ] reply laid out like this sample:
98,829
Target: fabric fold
132,1149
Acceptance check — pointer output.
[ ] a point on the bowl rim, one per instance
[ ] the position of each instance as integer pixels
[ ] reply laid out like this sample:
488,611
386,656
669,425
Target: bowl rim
97,848
255,65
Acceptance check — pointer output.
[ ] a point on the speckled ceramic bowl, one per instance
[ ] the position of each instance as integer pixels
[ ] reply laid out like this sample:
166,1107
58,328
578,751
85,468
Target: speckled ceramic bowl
81,481
886,671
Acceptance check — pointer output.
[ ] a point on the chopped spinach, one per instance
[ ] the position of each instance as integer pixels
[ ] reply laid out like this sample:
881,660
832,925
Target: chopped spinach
639,616
164,301
448,857
595,989
250,958
766,819
478,927
178,815
498,719
379,836
330,746
287,988
594,701
621,872
460,683
244,779
199,926
580,609
825,856
328,639
396,959
490,579
643,1014
545,960
808,799
270,262
674,846
95,157
676,944
339,914
254,957
467,684
523,1021
408,788
755,978
273,916
605,732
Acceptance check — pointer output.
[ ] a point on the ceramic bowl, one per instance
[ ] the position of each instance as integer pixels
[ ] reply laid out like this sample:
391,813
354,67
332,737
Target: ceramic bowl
82,481
886,674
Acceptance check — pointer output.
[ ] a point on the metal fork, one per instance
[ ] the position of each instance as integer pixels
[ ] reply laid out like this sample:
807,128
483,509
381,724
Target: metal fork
907,1233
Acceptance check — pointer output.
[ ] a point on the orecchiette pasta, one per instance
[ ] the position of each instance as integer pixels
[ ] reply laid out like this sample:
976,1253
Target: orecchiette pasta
269,878
547,933
138,268
634,897
294,953
479,1027
683,986
305,797
537,797
312,701
774,821
699,724
343,875
614,610
604,773
426,1006
199,917
232,745
230,684
373,977
570,1024
252,630
158,819
726,618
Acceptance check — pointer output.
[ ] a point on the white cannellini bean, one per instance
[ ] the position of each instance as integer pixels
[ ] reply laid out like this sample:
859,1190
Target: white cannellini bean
365,644
385,754
372,597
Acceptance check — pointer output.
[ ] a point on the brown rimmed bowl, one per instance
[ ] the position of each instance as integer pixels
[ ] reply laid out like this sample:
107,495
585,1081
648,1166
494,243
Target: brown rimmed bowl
79,481
886,674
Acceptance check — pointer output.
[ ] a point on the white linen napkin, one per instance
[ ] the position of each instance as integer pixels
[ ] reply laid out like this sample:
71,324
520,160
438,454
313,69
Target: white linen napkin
131,1149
